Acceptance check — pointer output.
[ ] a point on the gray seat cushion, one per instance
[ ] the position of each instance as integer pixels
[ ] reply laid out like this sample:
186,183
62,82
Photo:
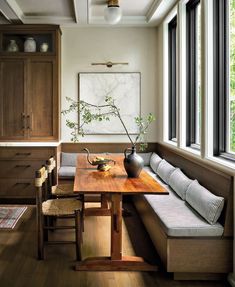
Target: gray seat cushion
68,159
178,218
155,161
179,182
165,170
208,205
146,157
67,172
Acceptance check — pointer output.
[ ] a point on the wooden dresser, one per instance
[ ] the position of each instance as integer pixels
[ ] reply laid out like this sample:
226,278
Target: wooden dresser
17,171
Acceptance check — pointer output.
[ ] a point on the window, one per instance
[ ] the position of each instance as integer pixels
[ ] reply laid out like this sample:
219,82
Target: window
224,79
193,72
172,77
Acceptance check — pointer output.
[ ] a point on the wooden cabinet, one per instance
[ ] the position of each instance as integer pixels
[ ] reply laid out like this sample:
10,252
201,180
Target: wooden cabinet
17,171
29,84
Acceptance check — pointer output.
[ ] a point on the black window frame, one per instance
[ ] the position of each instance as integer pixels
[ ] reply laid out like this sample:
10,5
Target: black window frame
221,78
191,72
172,79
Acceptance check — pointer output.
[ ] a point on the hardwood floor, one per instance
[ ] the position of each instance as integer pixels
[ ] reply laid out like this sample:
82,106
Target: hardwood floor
20,268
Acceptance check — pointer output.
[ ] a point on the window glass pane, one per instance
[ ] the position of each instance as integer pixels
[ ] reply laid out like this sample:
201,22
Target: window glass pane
198,78
193,75
231,102
172,78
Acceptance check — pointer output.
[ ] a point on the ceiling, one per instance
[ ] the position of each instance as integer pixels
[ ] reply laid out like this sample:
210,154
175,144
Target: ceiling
82,12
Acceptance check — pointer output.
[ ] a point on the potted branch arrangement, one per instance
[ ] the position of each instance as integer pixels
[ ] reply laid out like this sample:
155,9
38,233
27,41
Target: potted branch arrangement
88,112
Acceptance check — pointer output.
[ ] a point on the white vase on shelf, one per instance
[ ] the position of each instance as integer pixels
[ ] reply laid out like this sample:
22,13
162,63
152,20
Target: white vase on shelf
30,45
12,47
44,47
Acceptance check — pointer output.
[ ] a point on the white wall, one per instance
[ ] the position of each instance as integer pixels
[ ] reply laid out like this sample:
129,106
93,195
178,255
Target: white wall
82,46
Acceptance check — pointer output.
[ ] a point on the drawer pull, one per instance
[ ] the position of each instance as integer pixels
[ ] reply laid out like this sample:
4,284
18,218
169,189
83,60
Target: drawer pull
23,165
23,153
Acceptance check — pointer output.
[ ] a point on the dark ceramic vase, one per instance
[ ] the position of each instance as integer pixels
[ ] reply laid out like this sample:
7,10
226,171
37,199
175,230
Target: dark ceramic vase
133,163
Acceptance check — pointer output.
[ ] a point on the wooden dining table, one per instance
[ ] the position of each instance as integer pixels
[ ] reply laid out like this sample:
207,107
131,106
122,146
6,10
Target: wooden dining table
115,183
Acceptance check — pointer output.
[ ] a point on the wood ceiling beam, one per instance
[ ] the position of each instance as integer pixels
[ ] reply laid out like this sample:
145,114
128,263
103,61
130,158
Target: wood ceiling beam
11,11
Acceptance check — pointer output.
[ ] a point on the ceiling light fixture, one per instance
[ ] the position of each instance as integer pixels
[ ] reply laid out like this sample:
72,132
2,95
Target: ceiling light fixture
113,12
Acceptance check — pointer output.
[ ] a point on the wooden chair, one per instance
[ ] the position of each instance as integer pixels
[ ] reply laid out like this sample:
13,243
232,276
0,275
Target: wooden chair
55,190
55,208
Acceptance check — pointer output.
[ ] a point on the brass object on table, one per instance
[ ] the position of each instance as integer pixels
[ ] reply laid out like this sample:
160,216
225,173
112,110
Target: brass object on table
101,162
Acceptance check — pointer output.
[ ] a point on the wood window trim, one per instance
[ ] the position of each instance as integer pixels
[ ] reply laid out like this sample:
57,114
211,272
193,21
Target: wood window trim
221,79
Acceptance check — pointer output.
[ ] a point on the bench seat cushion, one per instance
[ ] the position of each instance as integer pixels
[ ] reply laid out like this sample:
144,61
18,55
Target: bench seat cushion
68,159
176,217
67,172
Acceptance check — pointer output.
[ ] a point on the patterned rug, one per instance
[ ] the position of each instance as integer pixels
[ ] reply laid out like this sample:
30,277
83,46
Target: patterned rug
10,215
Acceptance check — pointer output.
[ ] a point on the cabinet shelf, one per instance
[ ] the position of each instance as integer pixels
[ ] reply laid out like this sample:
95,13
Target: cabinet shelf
27,54
20,39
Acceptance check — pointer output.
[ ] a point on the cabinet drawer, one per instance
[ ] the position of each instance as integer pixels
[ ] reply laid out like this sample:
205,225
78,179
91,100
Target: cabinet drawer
19,168
26,153
17,188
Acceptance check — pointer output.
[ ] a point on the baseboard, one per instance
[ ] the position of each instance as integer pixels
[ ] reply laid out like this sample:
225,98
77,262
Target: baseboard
231,279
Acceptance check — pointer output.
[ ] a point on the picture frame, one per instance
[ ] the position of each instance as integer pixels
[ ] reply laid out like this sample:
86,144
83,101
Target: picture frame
124,88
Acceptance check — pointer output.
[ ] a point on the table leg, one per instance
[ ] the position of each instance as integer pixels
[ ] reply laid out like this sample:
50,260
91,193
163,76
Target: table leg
116,227
116,262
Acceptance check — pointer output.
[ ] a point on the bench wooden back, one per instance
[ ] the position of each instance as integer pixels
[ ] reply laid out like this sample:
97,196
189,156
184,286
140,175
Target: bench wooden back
216,181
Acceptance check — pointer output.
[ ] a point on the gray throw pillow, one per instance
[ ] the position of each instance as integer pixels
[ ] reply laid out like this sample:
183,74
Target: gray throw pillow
208,205
155,161
146,157
179,182
68,159
165,170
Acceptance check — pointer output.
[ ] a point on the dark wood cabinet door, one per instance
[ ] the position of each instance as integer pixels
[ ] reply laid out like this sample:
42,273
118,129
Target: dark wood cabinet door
12,104
42,119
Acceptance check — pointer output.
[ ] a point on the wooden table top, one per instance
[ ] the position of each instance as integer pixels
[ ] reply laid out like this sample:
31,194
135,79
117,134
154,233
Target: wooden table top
89,180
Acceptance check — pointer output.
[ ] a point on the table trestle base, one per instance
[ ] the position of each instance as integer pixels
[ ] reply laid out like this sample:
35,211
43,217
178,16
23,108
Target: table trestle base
127,263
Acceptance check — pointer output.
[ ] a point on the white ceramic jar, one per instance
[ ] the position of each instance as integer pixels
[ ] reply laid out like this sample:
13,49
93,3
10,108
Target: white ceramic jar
30,45
12,47
44,47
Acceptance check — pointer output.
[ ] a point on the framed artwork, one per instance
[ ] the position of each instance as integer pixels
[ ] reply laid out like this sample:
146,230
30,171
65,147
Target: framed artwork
124,88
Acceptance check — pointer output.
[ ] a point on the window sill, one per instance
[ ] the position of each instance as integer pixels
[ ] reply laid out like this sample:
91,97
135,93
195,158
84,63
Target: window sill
227,164
192,150
171,142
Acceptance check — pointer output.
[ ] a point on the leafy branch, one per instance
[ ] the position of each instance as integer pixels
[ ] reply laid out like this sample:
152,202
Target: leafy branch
90,112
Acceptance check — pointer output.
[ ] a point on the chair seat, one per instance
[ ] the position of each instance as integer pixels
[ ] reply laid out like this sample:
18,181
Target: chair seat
60,207
62,190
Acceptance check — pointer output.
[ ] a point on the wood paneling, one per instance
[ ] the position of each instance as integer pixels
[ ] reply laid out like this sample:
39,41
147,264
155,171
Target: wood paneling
102,147
41,100
12,117
202,255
